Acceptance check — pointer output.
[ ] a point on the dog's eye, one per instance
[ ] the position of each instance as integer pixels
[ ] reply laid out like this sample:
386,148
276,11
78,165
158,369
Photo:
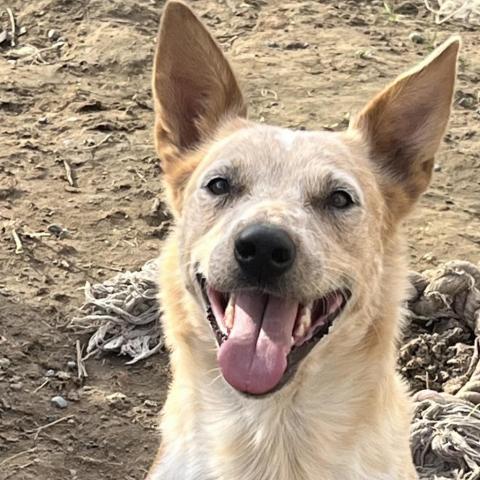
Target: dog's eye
218,186
340,199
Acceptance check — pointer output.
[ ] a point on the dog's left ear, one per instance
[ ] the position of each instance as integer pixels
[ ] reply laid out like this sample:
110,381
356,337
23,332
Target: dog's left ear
405,123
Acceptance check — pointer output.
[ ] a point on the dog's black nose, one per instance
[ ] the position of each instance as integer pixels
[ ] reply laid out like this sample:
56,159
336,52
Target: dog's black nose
264,251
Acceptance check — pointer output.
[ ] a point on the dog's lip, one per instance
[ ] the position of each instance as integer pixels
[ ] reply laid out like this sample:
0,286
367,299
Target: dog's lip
299,350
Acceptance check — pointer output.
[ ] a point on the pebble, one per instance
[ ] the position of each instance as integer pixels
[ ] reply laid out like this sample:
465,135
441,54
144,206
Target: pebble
50,373
63,375
116,399
5,362
59,402
53,35
417,37
72,365
16,386
429,257
407,8
57,230
296,46
73,396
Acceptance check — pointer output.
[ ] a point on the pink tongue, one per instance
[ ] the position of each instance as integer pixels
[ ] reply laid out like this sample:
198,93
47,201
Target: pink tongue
254,357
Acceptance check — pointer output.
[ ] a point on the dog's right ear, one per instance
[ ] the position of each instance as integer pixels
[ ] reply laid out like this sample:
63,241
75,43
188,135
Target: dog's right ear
404,125
194,87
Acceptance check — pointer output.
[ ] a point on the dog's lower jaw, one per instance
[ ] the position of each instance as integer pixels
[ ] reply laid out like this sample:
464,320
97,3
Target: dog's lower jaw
343,418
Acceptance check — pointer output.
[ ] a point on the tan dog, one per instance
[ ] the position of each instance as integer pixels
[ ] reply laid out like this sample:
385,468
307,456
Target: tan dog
283,278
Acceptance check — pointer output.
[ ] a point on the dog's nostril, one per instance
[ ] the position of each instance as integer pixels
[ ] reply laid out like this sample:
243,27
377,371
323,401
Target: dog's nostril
281,256
246,250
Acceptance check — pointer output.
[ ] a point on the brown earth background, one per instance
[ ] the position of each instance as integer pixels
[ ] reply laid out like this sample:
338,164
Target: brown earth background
81,95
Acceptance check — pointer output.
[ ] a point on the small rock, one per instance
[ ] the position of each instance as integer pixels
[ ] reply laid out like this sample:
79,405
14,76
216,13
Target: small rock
357,22
57,230
50,373
63,375
72,365
116,399
16,386
5,362
53,35
296,46
467,100
73,396
429,257
59,402
407,8
437,168
417,37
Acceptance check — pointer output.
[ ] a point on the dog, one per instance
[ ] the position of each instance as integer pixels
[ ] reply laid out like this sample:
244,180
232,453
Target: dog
283,278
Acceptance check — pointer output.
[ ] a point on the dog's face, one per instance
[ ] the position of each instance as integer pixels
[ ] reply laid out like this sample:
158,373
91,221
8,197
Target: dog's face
283,233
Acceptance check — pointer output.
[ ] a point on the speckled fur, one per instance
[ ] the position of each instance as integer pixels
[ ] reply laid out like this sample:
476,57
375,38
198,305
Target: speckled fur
345,414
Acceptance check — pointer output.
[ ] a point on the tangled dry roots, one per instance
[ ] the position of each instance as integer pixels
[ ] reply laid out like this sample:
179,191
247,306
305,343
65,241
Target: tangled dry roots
467,11
439,357
444,311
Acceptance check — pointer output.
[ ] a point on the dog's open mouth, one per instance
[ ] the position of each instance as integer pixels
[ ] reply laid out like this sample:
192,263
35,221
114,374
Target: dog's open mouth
262,338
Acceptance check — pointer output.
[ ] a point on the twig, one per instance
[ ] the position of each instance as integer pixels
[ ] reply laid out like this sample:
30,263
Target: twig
48,425
37,234
91,354
99,143
88,266
21,467
19,454
18,242
96,461
142,178
41,386
12,25
82,371
68,170
265,91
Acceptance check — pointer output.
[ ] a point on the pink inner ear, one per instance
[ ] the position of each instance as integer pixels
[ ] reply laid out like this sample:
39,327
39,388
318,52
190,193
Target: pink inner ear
188,101
405,123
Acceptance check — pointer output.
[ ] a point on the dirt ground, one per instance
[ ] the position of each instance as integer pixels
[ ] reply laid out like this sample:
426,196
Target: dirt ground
76,92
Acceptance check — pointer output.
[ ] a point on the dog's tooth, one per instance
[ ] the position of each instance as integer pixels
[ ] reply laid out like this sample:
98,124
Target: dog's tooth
303,323
229,312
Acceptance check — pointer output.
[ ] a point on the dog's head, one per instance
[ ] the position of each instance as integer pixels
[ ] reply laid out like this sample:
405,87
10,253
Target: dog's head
282,234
